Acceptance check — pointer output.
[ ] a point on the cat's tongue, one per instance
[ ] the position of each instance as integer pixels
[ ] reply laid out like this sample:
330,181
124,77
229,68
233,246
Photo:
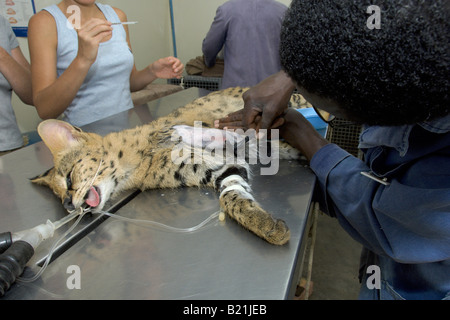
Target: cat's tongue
93,199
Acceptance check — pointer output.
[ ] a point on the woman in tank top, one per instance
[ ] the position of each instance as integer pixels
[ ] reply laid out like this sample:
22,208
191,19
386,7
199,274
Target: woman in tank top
84,68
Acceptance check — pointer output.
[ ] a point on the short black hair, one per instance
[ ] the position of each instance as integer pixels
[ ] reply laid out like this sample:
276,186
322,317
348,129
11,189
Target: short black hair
397,74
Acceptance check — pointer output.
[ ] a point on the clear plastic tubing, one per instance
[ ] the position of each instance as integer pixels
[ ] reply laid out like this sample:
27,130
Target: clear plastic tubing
162,226
58,224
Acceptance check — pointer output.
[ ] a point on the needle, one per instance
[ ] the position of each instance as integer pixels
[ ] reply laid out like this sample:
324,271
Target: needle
124,23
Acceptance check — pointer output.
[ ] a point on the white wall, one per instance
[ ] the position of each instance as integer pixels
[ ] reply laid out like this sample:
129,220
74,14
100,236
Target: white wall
151,38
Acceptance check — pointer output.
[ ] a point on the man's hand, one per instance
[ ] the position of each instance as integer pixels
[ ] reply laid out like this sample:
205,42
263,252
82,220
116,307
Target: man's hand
263,105
300,133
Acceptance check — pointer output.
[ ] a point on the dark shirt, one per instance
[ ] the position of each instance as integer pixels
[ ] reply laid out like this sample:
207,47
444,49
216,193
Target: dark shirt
249,32
406,224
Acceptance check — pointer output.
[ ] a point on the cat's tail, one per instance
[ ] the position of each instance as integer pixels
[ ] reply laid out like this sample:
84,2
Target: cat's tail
237,201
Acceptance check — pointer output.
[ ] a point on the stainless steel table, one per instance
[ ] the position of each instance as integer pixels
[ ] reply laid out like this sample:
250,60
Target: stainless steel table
121,260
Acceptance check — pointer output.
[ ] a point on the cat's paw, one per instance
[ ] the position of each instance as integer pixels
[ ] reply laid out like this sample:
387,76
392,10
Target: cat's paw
240,205
279,234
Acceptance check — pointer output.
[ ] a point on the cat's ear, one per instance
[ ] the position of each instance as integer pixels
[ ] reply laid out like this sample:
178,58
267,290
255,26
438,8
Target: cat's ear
59,135
45,179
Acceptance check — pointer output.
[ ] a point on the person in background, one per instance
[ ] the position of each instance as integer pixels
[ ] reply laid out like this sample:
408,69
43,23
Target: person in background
14,76
394,80
86,73
249,33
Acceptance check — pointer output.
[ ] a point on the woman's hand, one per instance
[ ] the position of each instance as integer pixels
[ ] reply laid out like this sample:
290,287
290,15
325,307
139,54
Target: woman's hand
166,68
90,35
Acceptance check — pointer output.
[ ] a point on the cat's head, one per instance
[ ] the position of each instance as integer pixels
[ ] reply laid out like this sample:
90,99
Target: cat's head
79,176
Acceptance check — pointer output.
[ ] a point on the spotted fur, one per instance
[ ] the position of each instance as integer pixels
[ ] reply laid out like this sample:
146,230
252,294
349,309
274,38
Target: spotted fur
88,166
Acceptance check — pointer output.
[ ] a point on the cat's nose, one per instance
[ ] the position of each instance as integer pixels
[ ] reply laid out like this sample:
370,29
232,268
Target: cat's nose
68,204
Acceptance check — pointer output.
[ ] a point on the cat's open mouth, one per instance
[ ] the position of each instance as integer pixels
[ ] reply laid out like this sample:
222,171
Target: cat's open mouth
93,197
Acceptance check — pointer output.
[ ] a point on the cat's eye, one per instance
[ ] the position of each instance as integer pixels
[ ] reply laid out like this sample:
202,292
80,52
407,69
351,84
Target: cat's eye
69,181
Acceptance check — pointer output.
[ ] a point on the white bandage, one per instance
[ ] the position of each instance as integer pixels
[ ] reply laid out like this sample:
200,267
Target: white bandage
244,194
234,180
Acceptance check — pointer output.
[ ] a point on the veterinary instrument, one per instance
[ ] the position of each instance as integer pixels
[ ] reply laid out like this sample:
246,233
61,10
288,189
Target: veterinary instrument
124,23
16,249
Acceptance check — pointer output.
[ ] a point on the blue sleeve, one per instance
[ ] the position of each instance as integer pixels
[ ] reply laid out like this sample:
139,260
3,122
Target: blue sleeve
410,224
215,38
